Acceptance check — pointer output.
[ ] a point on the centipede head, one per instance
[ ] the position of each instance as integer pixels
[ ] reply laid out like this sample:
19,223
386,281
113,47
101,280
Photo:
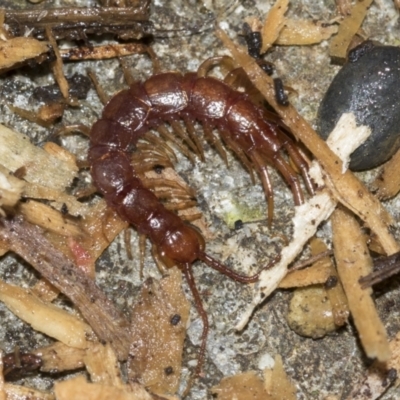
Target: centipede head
181,246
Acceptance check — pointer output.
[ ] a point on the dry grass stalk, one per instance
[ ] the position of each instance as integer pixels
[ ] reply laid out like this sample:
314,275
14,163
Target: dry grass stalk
57,65
302,32
53,321
347,29
105,320
16,152
48,218
353,261
102,52
273,24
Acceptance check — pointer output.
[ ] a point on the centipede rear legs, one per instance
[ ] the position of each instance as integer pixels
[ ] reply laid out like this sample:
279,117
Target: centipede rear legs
223,269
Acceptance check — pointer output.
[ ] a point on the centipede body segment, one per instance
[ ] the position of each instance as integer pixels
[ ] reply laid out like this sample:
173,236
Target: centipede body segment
169,98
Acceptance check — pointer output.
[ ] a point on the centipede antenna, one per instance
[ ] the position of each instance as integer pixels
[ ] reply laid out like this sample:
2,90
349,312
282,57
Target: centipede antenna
223,269
203,315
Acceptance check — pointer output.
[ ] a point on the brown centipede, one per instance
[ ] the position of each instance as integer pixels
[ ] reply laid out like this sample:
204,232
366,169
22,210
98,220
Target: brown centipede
167,98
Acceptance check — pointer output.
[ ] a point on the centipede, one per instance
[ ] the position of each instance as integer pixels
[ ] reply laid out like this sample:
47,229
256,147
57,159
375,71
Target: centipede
170,98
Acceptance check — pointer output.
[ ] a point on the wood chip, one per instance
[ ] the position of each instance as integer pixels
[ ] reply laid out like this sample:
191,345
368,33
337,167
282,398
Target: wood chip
16,152
387,183
317,273
49,219
19,49
347,29
301,32
79,389
10,188
16,392
59,357
277,383
353,261
247,385
46,318
102,365
273,24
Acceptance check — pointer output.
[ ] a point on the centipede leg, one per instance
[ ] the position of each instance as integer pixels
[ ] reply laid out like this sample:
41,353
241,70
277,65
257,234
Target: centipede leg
290,177
261,167
298,160
239,153
214,141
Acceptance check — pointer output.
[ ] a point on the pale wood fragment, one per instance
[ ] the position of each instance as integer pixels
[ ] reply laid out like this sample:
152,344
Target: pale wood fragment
46,318
347,29
353,261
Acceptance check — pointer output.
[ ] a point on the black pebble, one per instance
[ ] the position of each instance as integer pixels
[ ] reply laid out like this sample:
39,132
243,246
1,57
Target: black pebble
370,88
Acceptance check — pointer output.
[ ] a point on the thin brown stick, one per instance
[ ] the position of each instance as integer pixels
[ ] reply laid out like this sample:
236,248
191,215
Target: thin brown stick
76,22
311,260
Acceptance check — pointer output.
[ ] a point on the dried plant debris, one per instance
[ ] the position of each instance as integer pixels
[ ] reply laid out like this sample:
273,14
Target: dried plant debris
69,235
107,322
277,29
75,23
387,183
349,26
158,332
16,152
16,51
275,386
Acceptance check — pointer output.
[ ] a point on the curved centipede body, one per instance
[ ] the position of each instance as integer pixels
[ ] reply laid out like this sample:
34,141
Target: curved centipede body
169,97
